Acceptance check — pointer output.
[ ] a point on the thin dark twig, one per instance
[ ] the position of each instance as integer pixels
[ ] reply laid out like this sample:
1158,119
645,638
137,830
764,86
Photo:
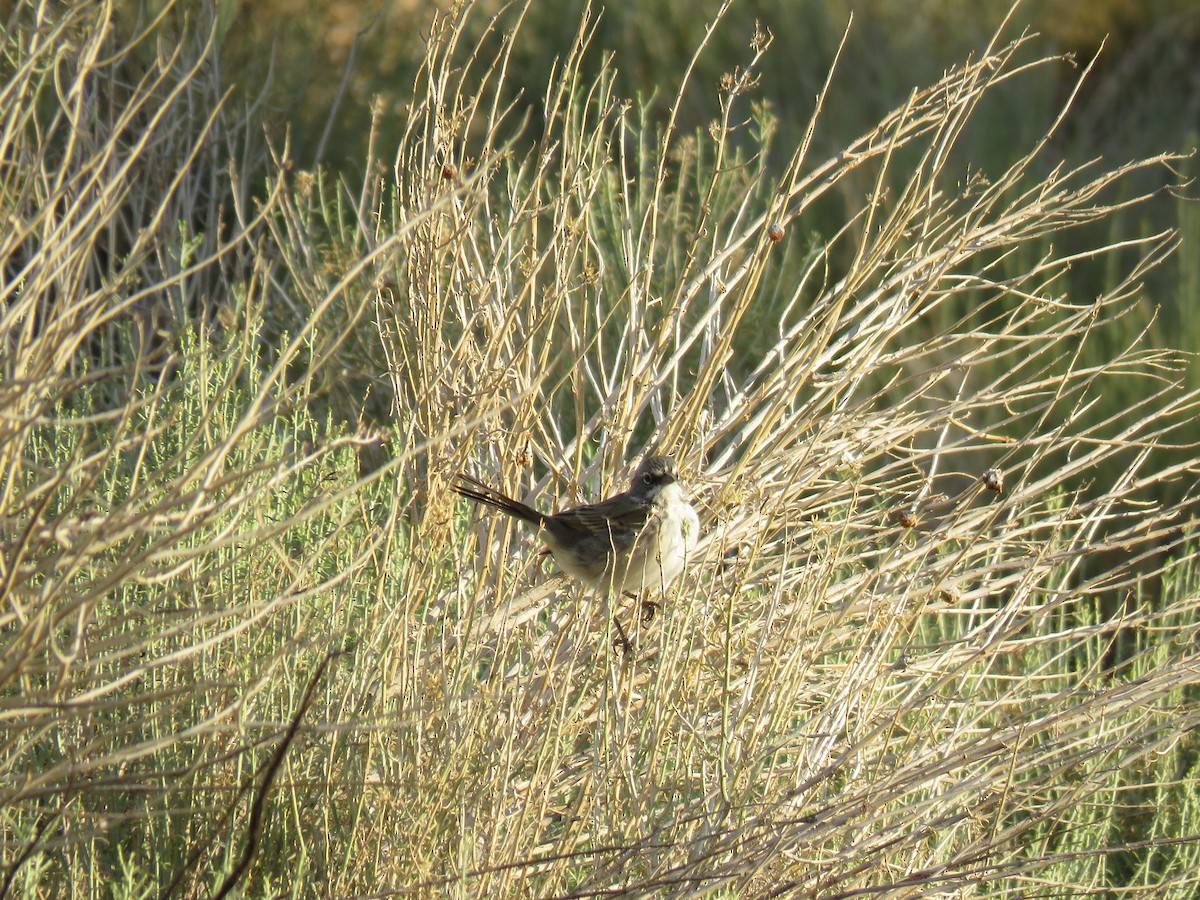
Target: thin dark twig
257,810
194,860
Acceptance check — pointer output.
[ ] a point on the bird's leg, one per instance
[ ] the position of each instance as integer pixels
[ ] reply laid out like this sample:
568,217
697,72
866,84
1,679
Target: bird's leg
649,611
621,643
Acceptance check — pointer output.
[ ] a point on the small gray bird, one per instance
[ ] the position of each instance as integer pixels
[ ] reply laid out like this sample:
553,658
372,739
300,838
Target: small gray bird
636,541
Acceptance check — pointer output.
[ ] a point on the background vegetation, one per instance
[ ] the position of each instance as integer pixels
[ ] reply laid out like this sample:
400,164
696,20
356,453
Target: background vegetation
916,330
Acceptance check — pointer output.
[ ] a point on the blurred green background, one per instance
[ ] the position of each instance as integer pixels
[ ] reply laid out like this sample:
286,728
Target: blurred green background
326,62
1143,97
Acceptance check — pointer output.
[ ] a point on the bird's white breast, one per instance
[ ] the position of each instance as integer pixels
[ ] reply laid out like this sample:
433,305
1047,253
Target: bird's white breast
662,550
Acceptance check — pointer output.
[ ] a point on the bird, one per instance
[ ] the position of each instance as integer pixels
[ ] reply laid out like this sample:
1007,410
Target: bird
633,542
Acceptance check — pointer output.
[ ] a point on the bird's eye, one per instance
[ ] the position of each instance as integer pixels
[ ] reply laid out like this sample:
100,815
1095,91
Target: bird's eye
648,478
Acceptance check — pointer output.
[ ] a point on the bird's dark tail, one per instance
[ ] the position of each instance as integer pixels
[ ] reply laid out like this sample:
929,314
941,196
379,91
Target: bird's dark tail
472,489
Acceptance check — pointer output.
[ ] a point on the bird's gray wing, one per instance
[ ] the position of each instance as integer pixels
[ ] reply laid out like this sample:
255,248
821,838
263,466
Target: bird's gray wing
620,516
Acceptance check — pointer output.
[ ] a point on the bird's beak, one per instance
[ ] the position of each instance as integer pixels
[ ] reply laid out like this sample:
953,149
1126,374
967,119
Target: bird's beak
668,478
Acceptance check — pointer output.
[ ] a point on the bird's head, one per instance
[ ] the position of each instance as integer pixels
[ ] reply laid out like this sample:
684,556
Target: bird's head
654,473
